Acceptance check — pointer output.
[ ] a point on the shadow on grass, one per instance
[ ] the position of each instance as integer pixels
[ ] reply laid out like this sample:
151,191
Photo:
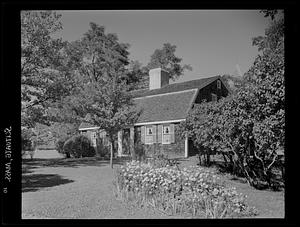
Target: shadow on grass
35,182
28,165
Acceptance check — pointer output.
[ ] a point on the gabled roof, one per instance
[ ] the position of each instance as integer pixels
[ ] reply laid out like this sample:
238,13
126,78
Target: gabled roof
166,107
169,103
85,124
199,83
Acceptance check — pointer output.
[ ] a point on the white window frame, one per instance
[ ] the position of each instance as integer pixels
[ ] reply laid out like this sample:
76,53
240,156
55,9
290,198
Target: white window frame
219,86
146,134
163,133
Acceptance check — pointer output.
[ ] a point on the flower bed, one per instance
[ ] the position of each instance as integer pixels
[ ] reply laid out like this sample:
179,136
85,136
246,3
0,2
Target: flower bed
193,191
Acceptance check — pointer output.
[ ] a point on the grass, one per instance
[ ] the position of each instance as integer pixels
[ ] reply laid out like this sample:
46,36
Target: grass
59,173
270,204
81,188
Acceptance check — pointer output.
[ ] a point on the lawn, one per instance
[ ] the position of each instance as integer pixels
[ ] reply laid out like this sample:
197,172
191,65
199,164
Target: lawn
269,203
74,188
82,188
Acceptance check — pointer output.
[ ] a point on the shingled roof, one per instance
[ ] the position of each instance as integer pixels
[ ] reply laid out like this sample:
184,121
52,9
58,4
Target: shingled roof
199,83
171,102
165,107
84,124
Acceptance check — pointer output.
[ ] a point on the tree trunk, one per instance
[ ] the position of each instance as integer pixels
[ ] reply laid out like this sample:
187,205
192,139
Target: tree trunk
207,159
131,143
111,154
225,160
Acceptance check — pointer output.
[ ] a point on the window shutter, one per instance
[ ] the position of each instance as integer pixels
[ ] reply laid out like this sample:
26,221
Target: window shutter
172,133
214,97
159,134
143,134
154,133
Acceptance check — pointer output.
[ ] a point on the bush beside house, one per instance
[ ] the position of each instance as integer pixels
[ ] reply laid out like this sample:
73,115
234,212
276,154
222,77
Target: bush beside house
78,146
59,146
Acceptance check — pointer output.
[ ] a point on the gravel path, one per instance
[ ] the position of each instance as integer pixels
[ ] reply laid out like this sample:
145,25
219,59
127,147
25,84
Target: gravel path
83,192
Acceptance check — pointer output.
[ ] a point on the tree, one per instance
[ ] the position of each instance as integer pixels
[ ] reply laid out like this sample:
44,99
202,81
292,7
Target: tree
96,53
166,59
267,74
232,82
110,107
136,76
41,80
102,81
248,128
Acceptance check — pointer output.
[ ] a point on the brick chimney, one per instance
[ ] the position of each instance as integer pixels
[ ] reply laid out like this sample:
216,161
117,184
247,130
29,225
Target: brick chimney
158,78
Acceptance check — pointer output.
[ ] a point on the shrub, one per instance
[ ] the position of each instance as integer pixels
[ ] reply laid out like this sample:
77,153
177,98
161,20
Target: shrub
102,150
79,146
139,151
59,144
192,191
28,144
27,136
159,160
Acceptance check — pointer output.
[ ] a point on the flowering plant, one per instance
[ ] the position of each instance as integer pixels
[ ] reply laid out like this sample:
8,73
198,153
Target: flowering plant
192,191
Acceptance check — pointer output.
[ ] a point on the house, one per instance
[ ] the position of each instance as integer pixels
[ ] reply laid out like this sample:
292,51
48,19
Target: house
163,106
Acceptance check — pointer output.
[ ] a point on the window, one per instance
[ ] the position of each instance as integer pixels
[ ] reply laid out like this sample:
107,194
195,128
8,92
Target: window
166,130
218,84
149,131
149,135
214,97
166,135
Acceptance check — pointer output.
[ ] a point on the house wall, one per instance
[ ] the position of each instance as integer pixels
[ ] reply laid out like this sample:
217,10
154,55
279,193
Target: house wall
91,134
205,93
173,150
176,149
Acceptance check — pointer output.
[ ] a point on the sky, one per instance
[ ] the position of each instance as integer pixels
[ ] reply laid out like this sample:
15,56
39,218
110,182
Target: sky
213,42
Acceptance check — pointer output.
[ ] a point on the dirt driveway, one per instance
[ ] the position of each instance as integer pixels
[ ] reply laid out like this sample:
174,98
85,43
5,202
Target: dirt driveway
74,189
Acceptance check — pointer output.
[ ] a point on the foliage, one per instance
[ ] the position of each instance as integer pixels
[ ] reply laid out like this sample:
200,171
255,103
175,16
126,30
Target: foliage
102,150
139,151
158,159
59,146
79,146
270,13
194,191
42,134
233,82
136,76
165,58
248,127
63,131
97,55
102,89
27,136
28,142
161,58
42,81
